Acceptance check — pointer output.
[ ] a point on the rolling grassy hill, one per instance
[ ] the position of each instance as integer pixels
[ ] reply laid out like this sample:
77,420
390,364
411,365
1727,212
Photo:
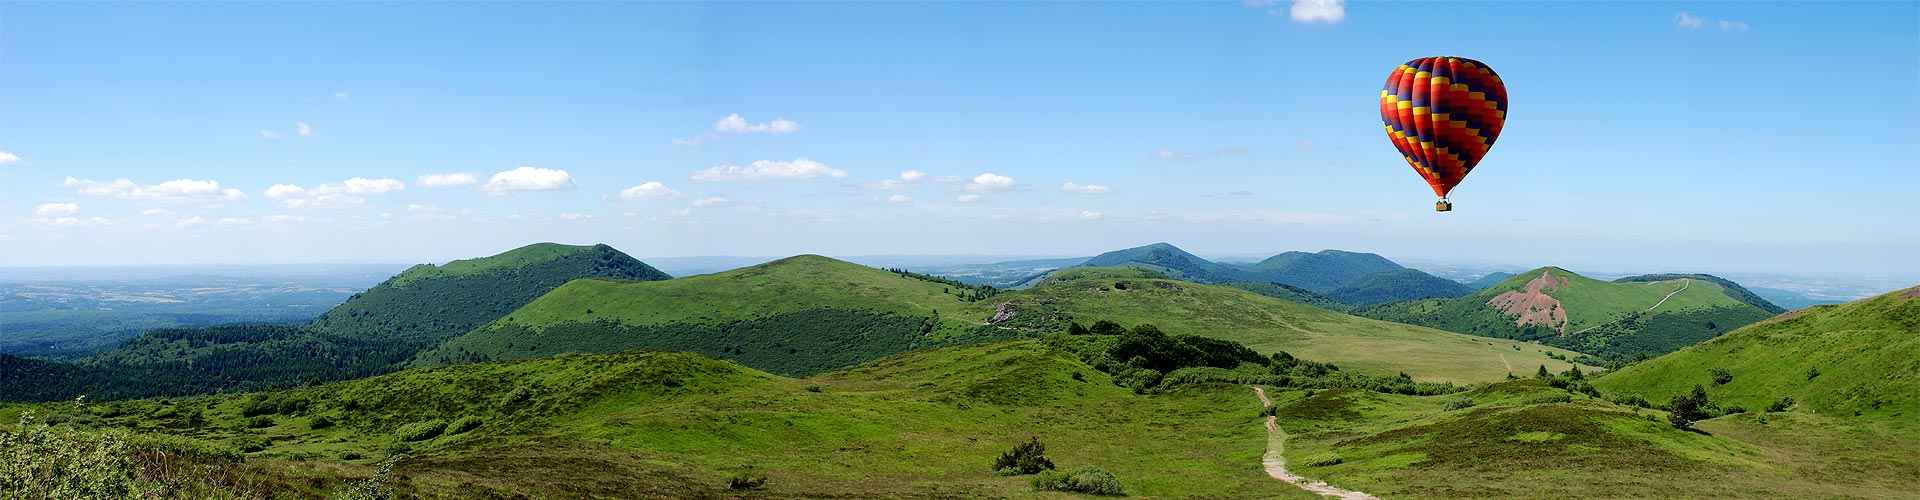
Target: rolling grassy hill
370,333
1323,271
797,315
1173,262
924,424
1858,358
1291,293
1612,319
1526,439
1134,296
807,314
1395,286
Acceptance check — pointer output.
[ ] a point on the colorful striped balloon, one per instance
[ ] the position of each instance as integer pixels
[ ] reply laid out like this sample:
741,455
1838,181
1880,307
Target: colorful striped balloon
1443,113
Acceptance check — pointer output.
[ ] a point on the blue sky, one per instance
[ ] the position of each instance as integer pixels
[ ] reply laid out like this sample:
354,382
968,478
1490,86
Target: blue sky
1645,136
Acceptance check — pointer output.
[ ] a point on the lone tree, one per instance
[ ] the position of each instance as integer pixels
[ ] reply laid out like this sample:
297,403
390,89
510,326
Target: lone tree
1684,409
1542,374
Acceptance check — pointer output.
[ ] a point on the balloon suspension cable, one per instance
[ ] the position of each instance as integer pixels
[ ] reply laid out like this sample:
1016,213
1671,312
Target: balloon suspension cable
1444,205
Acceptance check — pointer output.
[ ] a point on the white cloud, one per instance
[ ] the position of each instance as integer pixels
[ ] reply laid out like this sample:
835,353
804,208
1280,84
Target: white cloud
575,216
899,198
711,201
1689,21
734,124
1083,188
650,190
1318,11
156,212
767,169
349,193
1092,215
73,221
303,129
179,190
990,182
912,175
234,221
190,222
967,198
56,209
529,179
269,134
447,180
7,157
1726,25
365,186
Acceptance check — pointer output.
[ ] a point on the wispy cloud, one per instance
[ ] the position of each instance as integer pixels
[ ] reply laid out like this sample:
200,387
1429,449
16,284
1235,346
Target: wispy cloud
989,182
303,129
735,124
56,209
8,158
1304,11
349,193
447,180
528,179
1092,215
767,170
177,190
650,190
1687,20
899,199
1083,188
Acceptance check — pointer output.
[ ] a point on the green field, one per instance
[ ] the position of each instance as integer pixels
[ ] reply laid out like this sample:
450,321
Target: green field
669,424
1859,358
738,315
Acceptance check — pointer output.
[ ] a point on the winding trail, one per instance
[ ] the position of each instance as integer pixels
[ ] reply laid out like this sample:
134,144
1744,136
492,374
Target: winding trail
1684,283
1276,464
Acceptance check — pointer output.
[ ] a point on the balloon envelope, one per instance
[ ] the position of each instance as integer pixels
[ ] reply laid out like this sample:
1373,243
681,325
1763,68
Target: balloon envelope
1443,114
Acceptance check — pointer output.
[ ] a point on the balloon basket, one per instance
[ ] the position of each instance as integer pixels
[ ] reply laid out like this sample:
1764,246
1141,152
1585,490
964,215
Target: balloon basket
1443,206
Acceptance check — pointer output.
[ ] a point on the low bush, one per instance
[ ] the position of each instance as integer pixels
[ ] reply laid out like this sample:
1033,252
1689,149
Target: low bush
250,444
463,425
38,461
1090,480
422,431
1720,376
260,422
319,422
1326,460
746,481
1025,458
1630,400
1685,409
1785,403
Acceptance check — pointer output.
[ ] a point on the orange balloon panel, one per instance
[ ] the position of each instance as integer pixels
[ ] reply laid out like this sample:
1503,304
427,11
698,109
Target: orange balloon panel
1443,114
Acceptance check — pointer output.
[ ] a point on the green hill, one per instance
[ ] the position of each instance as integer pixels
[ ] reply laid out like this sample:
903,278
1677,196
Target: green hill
1732,289
1174,262
371,333
1134,296
1291,293
806,314
1611,319
1321,272
798,315
1858,358
676,425
1395,286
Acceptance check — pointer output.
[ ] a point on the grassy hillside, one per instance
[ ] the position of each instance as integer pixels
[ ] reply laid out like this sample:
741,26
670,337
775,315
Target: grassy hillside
1560,308
1395,286
1859,358
1133,296
370,333
1732,289
923,424
1526,439
1323,271
1291,293
797,315
1491,279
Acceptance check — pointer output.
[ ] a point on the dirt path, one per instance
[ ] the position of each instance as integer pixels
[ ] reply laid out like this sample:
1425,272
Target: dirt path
1503,360
1276,464
1684,283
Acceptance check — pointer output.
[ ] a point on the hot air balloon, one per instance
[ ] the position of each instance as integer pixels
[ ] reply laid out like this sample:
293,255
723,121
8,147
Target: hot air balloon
1443,114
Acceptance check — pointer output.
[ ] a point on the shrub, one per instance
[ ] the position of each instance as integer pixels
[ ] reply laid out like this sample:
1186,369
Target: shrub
398,449
1575,374
1105,327
1685,409
1076,329
1090,480
1813,372
378,487
250,444
38,461
260,422
813,388
746,481
1631,400
1079,377
1721,376
1785,403
1326,460
257,405
463,425
421,431
1459,404
1542,374
351,455
319,422
1025,458
1735,410
519,395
